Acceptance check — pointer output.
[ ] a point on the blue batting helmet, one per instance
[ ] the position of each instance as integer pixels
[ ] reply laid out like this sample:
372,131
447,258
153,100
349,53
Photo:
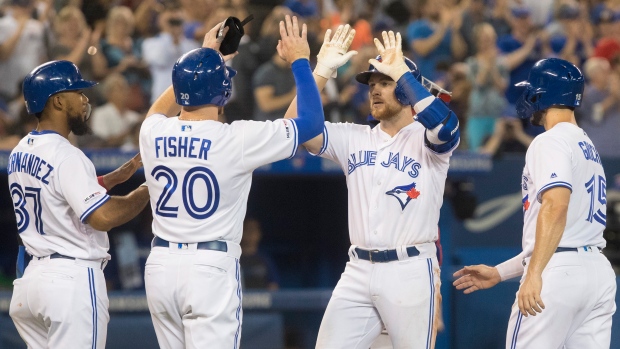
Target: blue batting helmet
49,79
552,81
201,77
363,77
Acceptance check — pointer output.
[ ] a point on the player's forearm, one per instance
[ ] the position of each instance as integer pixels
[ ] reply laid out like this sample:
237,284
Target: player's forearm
549,229
291,112
165,104
119,209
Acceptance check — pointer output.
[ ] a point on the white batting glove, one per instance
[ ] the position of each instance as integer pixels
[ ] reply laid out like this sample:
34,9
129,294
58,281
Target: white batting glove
392,62
333,53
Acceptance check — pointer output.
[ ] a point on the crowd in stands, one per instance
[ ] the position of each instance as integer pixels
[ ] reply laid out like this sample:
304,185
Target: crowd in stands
478,49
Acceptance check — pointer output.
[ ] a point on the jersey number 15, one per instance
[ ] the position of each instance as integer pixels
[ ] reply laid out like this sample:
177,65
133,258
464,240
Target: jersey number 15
597,190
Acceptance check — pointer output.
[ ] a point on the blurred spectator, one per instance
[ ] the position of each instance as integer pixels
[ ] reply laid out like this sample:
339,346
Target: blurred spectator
124,55
508,137
489,78
113,121
599,115
161,52
274,89
478,12
606,21
435,39
571,36
460,87
608,48
73,39
521,49
258,270
22,46
542,10
196,13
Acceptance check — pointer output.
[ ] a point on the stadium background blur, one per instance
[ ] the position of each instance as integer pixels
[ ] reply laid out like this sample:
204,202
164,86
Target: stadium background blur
296,239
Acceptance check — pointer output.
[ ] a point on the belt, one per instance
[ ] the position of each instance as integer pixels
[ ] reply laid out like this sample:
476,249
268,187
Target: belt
384,256
89,263
55,255
207,245
574,249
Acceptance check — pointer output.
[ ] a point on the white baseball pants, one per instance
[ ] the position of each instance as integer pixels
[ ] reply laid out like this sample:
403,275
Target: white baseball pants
579,290
194,296
401,295
61,303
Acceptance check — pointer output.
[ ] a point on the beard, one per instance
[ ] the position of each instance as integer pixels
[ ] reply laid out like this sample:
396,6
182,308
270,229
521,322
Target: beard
537,117
387,112
78,126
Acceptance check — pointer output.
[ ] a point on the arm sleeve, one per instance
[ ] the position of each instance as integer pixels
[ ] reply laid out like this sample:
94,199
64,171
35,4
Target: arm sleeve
78,183
511,268
310,117
552,165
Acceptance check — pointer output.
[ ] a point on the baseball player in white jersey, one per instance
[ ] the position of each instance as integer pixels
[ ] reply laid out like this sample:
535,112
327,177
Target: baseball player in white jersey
62,215
395,175
568,288
200,171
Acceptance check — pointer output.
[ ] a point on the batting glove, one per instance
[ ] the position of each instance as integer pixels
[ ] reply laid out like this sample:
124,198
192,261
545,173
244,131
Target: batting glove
392,62
333,53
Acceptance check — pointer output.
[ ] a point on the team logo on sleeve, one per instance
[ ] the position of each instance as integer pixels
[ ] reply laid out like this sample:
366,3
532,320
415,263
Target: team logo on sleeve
404,194
526,202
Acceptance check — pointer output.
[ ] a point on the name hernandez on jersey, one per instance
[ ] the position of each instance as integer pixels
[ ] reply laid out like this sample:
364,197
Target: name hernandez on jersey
395,183
54,190
565,157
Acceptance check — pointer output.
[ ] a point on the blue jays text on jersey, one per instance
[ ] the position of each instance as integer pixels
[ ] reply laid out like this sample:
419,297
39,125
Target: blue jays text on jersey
30,164
186,147
368,157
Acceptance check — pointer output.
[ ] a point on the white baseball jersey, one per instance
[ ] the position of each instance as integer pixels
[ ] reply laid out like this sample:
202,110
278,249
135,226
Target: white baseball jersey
564,156
54,189
395,183
199,173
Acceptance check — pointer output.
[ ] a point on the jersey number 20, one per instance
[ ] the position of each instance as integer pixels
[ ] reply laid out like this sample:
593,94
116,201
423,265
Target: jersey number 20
187,188
19,196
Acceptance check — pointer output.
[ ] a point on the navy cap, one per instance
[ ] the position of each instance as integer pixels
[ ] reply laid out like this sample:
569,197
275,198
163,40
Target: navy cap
520,12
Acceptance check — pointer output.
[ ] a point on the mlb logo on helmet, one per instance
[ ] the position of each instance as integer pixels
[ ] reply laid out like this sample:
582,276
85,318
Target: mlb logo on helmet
578,99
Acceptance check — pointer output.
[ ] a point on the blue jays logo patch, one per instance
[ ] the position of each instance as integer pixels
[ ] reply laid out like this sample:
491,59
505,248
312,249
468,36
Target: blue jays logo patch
404,194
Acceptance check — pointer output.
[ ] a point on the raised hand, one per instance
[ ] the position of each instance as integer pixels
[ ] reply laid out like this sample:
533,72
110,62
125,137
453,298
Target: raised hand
213,40
293,46
392,62
333,53
476,277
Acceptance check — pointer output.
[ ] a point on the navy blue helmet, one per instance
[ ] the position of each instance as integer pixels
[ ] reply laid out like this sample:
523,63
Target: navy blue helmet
552,81
49,79
201,77
363,77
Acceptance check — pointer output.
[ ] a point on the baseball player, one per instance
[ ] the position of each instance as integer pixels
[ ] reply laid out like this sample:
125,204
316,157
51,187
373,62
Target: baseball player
200,171
62,215
567,286
395,174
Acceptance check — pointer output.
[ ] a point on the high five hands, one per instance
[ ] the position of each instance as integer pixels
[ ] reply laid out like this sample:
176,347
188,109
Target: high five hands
392,62
333,53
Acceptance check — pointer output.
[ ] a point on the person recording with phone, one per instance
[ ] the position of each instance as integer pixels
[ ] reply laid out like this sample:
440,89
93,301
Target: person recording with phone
161,52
